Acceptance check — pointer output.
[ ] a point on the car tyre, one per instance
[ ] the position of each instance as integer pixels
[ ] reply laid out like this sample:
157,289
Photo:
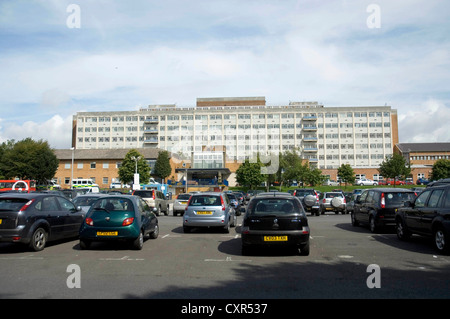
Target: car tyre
138,243
441,240
38,239
304,249
226,228
85,244
154,234
353,218
401,230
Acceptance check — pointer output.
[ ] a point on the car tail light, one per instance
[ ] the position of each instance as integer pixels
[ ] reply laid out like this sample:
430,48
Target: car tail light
324,200
295,192
383,201
89,221
128,221
28,204
153,194
223,204
344,201
189,201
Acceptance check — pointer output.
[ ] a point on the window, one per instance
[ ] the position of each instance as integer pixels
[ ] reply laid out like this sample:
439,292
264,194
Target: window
105,180
105,165
421,199
434,198
93,165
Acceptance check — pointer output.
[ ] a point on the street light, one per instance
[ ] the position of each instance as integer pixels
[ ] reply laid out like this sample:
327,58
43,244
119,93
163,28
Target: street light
136,175
73,155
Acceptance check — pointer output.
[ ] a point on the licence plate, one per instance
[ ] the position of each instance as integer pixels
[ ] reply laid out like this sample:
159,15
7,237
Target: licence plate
107,233
204,213
183,203
275,238
0,221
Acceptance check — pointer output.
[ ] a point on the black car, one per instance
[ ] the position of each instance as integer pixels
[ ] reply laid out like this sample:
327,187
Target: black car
376,207
275,219
36,218
309,199
427,215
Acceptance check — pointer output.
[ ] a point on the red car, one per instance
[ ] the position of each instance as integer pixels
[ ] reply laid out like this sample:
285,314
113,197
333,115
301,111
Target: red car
390,181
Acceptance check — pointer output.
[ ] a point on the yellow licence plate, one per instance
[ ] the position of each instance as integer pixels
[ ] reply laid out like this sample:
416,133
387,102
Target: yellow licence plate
183,203
275,238
0,221
204,213
107,233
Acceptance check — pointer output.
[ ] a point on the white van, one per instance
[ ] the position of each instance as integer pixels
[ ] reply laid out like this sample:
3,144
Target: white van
85,183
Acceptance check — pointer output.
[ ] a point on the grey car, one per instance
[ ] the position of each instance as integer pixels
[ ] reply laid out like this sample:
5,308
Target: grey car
154,199
209,210
180,203
333,201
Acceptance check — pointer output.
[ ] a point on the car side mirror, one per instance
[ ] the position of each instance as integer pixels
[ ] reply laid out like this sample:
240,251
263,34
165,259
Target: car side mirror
408,204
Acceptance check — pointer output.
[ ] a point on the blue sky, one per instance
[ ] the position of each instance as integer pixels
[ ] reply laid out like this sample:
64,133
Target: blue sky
128,54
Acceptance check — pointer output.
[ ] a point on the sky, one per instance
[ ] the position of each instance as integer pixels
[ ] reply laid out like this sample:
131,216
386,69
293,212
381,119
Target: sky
61,57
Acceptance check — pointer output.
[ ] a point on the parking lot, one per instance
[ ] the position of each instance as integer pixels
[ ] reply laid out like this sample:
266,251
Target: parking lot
209,264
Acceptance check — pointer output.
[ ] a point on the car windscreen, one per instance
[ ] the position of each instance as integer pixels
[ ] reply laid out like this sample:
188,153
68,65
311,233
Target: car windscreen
205,200
12,204
84,201
144,193
278,206
394,198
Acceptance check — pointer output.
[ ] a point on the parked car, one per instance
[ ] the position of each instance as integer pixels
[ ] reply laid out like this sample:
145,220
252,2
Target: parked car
37,218
251,193
333,201
209,209
85,201
351,202
365,181
443,181
240,196
330,182
376,207
154,199
275,219
234,202
309,199
180,203
119,217
392,181
428,215
422,181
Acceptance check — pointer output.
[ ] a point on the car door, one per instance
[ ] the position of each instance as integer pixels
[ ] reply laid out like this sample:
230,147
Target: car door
147,217
430,211
50,211
72,218
413,214
366,207
360,199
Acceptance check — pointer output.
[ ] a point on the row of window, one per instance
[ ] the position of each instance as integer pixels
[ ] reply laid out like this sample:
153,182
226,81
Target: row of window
429,157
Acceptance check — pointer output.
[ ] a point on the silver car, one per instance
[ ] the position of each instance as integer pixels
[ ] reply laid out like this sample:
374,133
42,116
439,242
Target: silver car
209,210
85,201
180,203
333,201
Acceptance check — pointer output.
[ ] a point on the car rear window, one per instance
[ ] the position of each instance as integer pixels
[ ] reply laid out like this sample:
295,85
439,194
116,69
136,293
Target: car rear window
184,196
397,197
269,206
12,203
114,204
205,200
333,195
304,192
84,201
143,193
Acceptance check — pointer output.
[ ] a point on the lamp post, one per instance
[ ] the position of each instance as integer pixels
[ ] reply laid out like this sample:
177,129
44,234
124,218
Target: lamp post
136,175
71,166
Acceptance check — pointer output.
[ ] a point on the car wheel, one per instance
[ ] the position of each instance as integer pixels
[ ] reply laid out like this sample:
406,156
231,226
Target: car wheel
38,239
186,229
304,250
226,228
85,244
158,211
440,240
245,250
155,233
354,221
402,232
167,211
372,225
138,243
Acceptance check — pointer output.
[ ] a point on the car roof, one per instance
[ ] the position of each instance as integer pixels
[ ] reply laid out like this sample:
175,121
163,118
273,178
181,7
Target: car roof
274,194
28,195
391,190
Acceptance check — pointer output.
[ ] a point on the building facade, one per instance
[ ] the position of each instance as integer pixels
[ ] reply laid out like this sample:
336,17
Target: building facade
422,156
326,136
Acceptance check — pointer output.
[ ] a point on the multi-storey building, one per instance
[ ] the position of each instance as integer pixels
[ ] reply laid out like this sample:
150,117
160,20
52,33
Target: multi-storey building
326,136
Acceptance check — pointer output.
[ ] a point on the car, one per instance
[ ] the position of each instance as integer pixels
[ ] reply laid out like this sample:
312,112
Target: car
85,201
333,201
309,199
119,218
34,219
422,181
209,209
392,181
240,196
330,182
442,181
428,215
179,204
154,199
365,181
235,202
275,219
376,207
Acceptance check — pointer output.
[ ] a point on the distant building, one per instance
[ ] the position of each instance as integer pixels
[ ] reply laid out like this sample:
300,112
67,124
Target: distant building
326,136
422,156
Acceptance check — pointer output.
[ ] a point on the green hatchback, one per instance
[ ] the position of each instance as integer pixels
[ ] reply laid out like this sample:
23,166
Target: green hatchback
114,218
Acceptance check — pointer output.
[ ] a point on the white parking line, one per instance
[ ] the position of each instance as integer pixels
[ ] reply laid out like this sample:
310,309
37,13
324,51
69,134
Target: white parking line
228,259
127,258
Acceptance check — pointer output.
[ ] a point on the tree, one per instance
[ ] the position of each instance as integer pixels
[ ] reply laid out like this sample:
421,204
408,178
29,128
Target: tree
441,169
313,176
249,174
162,165
394,166
128,168
346,174
28,159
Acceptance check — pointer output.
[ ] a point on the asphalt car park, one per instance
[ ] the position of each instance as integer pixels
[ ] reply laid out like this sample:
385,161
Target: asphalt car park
208,264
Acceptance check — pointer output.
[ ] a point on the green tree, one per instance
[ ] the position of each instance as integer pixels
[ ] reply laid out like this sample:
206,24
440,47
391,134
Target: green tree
441,169
128,168
394,166
162,166
346,174
313,176
28,159
249,174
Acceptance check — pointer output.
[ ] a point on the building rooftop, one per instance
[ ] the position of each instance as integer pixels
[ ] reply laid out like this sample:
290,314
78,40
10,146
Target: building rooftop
96,154
423,147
